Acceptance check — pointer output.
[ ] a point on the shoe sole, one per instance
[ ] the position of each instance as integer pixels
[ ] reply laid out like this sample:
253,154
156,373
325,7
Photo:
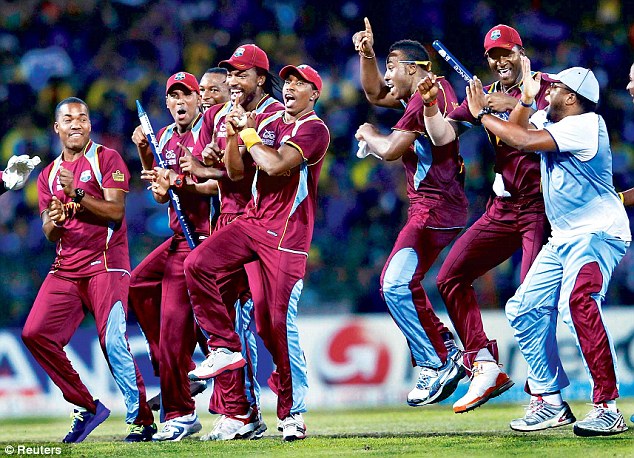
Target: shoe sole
259,432
230,367
581,432
96,421
508,383
446,390
294,438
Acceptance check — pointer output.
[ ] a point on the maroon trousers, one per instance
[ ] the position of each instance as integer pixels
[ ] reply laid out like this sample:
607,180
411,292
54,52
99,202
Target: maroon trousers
159,299
507,225
281,273
57,312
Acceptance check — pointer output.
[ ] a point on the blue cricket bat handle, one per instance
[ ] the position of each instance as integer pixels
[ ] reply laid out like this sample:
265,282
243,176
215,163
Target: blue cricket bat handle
451,59
160,160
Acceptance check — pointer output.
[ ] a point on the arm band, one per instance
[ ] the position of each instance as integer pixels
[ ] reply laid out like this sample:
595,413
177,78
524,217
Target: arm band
526,105
621,197
250,137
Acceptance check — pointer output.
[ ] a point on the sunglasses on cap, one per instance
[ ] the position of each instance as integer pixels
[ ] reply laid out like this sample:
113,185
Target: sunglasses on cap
423,63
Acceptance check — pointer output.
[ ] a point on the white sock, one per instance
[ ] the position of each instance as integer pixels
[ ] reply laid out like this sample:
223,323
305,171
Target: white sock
554,399
611,405
484,355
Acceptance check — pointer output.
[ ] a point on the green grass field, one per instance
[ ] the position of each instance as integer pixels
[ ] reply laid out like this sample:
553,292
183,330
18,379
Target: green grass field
430,431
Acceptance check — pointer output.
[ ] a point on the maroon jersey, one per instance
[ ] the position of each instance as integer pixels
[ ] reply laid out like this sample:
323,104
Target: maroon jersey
282,210
520,171
432,170
234,195
88,245
196,207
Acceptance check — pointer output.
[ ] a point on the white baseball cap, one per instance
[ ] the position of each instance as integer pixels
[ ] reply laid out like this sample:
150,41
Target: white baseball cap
578,79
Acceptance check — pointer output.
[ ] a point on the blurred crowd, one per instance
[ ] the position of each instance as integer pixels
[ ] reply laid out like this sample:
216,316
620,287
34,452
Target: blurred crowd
112,52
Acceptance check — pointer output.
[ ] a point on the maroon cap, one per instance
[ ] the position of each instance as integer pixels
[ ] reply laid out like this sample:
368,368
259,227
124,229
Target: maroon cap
186,79
307,73
247,56
501,36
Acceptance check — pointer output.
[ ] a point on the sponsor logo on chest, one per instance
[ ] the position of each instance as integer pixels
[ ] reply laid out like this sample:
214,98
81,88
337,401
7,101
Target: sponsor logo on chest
268,137
170,157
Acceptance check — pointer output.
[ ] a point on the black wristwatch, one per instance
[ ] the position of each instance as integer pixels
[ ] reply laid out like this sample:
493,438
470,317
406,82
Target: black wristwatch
79,195
484,111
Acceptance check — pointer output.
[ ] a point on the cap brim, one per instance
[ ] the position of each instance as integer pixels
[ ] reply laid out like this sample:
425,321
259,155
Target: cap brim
180,83
550,78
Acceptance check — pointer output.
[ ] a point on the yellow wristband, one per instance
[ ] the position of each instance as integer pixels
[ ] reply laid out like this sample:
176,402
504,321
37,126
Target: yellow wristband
250,137
621,197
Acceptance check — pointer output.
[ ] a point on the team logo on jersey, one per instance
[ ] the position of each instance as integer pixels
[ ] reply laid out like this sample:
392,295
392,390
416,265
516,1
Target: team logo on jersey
85,176
496,34
179,76
118,176
170,154
239,52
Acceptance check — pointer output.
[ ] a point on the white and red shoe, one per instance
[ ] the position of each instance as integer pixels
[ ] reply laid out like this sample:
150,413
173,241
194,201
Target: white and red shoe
293,427
487,382
233,427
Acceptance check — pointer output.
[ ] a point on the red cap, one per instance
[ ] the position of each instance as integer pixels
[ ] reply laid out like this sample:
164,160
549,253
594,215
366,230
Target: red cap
247,56
307,73
186,79
501,36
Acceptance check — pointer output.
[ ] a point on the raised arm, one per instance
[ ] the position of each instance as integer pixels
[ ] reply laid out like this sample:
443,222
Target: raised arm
376,91
523,110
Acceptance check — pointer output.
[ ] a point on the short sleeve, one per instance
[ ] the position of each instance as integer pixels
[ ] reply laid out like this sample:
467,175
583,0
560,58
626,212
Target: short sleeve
43,192
413,119
311,140
578,135
114,172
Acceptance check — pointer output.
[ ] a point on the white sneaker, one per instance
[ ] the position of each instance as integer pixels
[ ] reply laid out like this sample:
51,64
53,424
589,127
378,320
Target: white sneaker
179,427
435,385
293,427
600,421
541,415
218,361
228,428
488,381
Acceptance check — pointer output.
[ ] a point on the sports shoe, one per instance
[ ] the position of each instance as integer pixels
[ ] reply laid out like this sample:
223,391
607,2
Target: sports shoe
487,382
435,385
84,422
601,421
140,433
293,427
218,361
236,427
541,415
260,427
179,427
195,388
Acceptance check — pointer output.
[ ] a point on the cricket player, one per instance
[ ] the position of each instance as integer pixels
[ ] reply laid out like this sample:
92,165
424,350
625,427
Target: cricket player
514,217
15,176
214,89
250,85
82,202
590,234
437,213
288,148
158,292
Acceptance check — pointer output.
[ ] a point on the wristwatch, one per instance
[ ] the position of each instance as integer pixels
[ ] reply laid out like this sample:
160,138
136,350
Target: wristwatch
484,111
179,181
79,195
